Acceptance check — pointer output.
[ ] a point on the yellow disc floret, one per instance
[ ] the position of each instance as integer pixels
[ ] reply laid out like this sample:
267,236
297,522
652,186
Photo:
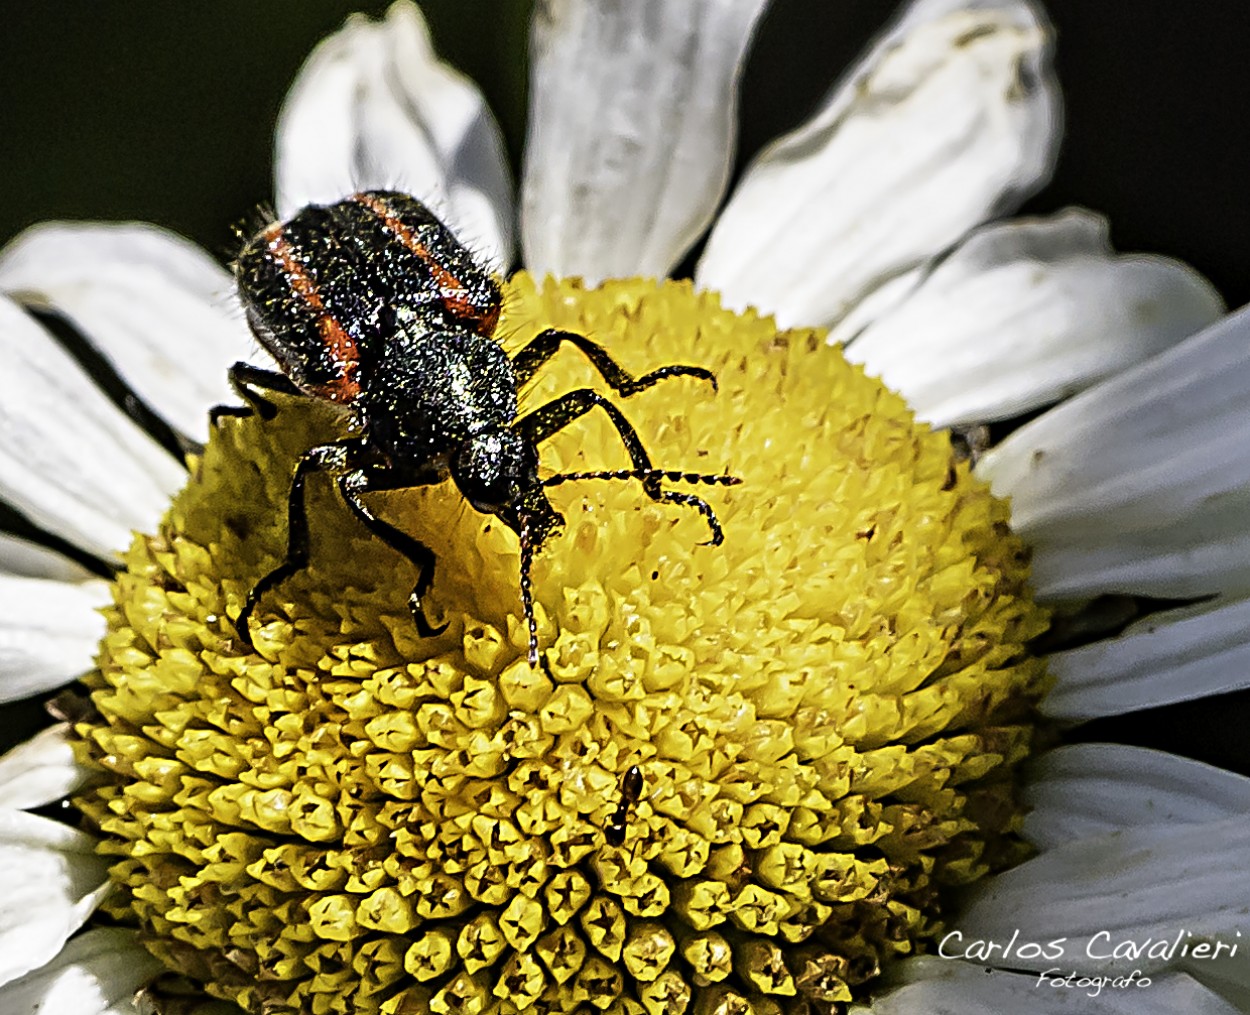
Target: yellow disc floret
825,711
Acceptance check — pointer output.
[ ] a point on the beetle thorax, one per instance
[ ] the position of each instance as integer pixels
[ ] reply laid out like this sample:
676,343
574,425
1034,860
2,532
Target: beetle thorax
441,388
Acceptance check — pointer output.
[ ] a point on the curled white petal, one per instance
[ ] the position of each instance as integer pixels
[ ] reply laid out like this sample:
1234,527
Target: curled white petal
374,108
40,771
50,881
951,118
1085,790
1151,883
96,973
49,632
931,985
1027,312
22,557
69,460
153,304
1140,484
632,131
1176,656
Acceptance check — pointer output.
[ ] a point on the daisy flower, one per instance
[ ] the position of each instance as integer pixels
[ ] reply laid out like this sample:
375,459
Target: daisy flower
823,742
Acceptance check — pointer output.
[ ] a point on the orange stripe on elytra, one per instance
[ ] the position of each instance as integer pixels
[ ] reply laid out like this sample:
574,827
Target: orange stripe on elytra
341,346
455,294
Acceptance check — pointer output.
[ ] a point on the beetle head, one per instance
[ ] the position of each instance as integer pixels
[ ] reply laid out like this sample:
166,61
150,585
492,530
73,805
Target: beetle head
497,472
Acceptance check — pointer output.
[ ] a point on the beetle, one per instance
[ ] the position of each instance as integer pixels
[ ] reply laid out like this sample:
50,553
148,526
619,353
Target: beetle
371,304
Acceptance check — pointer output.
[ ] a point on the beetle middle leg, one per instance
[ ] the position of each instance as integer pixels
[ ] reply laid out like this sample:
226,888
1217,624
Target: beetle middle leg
555,416
342,460
544,345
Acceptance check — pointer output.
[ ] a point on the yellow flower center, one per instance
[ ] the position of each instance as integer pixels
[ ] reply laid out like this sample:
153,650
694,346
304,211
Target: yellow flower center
824,712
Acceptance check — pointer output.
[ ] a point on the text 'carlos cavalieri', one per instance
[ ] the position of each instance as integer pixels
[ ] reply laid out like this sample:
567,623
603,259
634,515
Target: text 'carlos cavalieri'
1102,947
1100,953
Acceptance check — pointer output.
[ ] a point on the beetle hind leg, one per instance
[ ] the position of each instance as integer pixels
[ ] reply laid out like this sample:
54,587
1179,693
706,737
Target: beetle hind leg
248,381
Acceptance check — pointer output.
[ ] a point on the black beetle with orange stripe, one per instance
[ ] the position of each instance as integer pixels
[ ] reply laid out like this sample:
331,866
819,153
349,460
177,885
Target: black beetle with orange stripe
373,305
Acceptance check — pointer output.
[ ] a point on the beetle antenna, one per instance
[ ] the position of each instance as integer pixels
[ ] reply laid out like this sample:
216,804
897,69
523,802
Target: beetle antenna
527,590
672,475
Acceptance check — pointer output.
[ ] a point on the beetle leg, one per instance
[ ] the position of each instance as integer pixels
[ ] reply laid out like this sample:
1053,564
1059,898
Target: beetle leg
360,481
324,458
247,381
554,416
544,345
341,460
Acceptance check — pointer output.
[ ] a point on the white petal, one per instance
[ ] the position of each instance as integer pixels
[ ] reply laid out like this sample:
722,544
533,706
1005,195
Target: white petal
20,556
49,632
69,460
96,973
40,770
1085,790
631,132
951,119
1146,885
1140,484
937,986
154,304
1025,313
1169,657
50,881
374,108
876,304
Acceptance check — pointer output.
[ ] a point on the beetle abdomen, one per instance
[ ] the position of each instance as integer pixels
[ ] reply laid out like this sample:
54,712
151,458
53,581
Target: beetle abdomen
322,290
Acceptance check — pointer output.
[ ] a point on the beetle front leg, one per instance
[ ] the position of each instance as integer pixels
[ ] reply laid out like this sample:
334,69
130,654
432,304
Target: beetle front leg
323,458
545,344
352,485
554,416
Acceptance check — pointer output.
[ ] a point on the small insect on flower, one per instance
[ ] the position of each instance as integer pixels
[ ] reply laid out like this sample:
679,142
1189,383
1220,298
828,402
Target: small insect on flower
373,305
631,790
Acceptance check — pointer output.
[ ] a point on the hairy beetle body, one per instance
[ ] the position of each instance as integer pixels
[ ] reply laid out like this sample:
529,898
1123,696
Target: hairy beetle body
372,304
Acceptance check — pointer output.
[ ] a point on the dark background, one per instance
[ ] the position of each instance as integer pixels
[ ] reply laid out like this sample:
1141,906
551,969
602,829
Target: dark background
114,109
